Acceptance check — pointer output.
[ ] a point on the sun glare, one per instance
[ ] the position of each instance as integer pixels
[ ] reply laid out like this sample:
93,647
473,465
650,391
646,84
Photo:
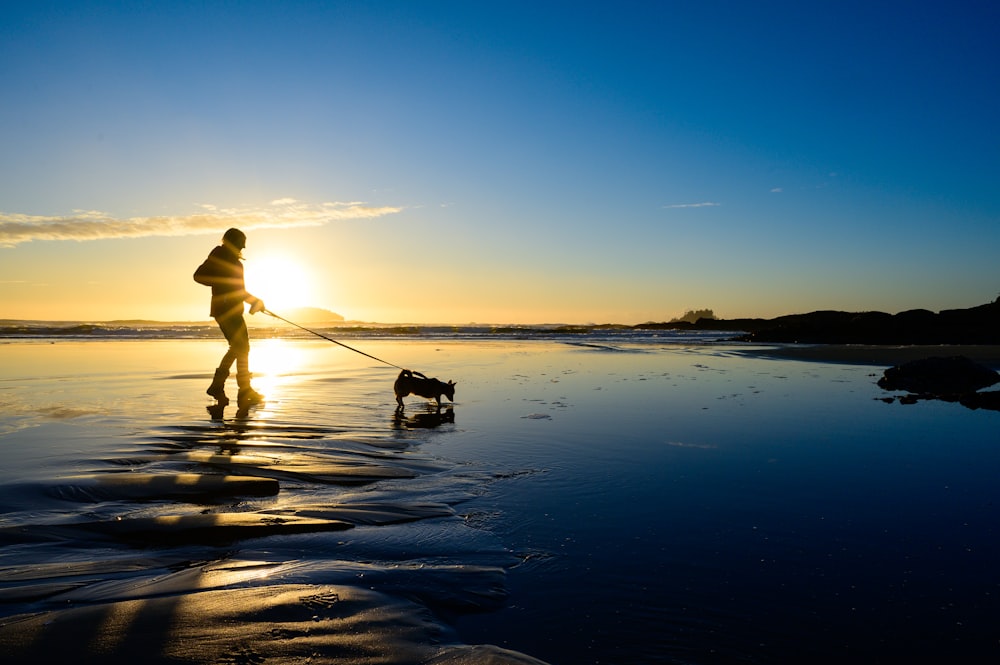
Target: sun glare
277,366
280,282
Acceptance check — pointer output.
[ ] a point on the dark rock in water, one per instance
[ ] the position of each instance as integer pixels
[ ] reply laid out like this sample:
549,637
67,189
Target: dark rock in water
989,400
956,375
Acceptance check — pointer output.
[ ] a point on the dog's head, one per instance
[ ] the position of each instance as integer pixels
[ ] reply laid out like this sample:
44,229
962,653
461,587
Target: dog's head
449,390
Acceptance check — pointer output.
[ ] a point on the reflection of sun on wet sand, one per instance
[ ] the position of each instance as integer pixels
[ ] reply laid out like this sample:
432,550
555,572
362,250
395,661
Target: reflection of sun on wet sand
288,623
128,550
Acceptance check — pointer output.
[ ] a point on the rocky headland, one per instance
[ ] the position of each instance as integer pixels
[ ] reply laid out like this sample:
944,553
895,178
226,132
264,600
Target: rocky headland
975,325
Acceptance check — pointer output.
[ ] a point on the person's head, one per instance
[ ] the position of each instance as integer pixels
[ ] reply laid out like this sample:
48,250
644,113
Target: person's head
236,239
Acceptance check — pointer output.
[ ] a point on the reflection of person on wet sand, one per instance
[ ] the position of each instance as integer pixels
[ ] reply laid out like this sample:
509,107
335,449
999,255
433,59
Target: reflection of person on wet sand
223,271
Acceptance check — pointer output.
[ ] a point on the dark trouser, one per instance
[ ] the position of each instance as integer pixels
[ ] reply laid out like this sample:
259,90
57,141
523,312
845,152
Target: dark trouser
235,330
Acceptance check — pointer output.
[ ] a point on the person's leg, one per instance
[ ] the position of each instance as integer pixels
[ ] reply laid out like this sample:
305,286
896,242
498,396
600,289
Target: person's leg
230,327
239,350
227,360
218,387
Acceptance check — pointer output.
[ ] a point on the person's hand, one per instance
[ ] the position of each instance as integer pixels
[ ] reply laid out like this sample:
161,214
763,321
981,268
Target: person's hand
257,306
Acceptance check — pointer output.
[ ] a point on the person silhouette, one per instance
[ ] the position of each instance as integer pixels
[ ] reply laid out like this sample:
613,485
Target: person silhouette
223,271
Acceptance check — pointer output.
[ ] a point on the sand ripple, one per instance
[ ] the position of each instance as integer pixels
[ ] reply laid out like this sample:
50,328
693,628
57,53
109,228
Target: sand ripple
247,542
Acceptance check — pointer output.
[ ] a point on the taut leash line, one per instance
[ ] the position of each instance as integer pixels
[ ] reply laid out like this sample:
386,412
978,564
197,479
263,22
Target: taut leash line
330,339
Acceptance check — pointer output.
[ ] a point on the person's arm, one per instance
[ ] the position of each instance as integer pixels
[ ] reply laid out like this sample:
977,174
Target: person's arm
256,304
205,274
217,272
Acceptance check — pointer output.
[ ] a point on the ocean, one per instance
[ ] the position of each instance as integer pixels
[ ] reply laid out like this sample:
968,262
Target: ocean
593,495
586,333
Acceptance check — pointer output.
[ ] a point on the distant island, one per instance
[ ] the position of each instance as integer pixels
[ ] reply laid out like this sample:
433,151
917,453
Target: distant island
312,315
975,325
309,316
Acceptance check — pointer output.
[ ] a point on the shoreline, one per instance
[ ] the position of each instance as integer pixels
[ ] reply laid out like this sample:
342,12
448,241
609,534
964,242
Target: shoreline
872,354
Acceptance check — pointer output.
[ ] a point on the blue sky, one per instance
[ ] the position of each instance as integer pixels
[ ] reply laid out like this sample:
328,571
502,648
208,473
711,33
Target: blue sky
501,162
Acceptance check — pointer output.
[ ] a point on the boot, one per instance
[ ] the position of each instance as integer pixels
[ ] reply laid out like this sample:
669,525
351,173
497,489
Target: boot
218,387
247,395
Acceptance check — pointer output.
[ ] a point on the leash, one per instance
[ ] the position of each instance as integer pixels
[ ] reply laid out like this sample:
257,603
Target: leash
330,339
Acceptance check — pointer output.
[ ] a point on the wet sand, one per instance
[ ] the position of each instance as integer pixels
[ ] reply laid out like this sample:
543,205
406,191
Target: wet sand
577,503
138,525
885,355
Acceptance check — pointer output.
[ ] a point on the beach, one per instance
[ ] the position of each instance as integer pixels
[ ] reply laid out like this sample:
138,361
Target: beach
581,501
879,355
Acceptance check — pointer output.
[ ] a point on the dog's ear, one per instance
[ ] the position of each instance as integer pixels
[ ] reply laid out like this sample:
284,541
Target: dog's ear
451,383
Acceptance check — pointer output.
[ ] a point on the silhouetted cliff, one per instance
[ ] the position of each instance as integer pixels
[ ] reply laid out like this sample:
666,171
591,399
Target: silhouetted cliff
976,325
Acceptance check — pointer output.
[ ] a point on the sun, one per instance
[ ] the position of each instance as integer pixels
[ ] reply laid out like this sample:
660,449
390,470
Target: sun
282,283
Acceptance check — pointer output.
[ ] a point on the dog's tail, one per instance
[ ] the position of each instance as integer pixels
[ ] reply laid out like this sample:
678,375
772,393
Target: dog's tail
407,372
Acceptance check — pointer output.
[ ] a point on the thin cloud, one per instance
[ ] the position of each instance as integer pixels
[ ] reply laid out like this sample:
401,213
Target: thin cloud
777,190
94,225
706,204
